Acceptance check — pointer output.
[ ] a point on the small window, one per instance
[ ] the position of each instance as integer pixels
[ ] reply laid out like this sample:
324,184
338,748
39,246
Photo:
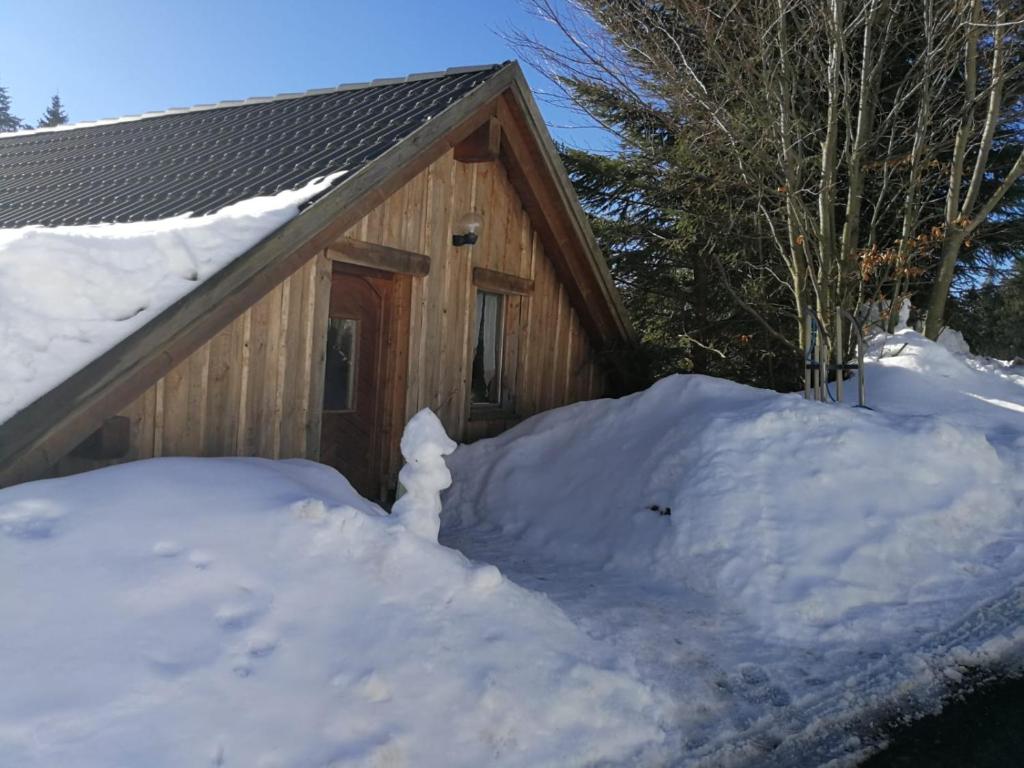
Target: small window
340,372
487,348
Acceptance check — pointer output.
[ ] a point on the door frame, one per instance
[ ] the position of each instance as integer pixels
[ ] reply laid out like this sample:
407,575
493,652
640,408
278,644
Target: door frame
392,373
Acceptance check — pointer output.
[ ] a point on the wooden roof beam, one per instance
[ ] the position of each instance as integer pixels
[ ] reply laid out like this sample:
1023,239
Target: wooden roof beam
482,146
527,175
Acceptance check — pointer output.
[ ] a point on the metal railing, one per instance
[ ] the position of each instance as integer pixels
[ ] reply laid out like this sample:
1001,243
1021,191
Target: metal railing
819,349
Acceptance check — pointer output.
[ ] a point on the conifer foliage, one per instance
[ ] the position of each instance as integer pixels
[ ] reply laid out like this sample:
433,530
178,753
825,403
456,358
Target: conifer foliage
54,114
8,122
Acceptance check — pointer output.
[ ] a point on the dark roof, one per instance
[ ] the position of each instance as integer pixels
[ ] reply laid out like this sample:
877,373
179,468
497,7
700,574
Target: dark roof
200,159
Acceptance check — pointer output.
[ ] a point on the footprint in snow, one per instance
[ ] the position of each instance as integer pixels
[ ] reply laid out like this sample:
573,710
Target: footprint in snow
236,616
754,686
167,549
753,675
259,646
29,520
997,551
374,688
200,559
243,609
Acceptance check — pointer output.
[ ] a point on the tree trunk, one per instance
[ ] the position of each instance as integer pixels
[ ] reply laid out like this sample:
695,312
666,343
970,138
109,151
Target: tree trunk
943,281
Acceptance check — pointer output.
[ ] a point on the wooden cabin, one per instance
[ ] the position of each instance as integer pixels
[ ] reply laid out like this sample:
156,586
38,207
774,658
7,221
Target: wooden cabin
451,268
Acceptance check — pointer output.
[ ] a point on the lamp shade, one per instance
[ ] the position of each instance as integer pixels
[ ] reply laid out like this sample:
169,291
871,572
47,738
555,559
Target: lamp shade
469,224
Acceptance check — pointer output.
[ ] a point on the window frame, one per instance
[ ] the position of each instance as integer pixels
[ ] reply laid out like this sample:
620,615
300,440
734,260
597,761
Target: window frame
481,408
505,285
353,369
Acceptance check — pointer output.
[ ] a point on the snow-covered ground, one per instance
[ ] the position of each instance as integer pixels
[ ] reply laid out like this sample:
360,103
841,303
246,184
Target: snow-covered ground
68,294
699,574
243,612
820,565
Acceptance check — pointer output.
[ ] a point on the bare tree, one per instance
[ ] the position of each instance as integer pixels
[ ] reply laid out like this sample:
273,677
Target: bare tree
992,85
837,119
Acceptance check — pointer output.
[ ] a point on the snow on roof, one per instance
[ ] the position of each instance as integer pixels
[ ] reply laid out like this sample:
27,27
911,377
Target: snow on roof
69,294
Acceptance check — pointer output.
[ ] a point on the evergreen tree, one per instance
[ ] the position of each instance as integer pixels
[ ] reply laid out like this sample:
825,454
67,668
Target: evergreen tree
991,316
693,269
8,122
54,115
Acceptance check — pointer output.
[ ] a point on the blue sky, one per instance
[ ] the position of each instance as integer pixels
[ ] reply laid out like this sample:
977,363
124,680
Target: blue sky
110,58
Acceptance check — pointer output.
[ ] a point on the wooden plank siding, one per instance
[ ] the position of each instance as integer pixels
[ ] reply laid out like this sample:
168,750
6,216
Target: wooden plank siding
246,392
256,388
548,358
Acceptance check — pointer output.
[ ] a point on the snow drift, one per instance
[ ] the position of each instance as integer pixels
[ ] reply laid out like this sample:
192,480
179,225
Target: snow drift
186,612
68,294
818,522
791,574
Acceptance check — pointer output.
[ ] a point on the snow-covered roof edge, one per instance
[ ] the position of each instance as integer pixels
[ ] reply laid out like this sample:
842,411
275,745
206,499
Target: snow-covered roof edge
68,294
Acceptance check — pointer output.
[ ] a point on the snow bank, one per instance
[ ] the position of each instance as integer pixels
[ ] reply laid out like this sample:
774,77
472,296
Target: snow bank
912,377
954,342
68,294
818,523
242,612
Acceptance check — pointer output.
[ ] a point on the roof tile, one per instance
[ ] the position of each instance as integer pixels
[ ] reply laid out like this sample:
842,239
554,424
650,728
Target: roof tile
198,160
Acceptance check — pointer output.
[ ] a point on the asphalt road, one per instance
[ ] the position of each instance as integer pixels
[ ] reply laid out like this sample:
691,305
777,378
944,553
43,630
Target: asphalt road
984,730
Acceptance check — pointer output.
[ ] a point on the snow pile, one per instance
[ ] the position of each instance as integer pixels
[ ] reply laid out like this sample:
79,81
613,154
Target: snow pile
424,445
954,342
912,377
242,612
791,574
816,522
68,294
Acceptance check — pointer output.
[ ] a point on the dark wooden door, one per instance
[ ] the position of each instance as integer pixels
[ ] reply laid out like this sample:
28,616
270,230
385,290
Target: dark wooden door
351,431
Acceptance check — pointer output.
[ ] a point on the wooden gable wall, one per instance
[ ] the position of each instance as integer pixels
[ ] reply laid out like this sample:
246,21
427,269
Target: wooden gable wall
548,359
255,389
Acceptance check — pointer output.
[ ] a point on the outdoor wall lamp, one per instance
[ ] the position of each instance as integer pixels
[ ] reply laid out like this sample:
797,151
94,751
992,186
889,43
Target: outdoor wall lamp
467,229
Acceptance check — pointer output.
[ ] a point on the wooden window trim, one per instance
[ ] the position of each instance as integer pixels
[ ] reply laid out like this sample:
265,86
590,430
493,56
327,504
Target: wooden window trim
491,412
382,257
493,281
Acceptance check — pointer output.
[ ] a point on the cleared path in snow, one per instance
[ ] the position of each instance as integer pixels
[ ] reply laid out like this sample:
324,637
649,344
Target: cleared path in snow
741,699
785,628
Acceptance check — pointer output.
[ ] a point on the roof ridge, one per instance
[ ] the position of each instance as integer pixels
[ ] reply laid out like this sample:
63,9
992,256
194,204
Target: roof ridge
414,77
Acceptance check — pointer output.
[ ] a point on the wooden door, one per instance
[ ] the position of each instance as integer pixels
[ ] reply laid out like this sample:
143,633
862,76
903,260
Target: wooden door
350,438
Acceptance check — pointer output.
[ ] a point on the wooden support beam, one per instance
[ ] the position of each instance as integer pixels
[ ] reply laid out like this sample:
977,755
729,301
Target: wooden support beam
383,257
482,146
111,441
536,187
501,282
536,171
